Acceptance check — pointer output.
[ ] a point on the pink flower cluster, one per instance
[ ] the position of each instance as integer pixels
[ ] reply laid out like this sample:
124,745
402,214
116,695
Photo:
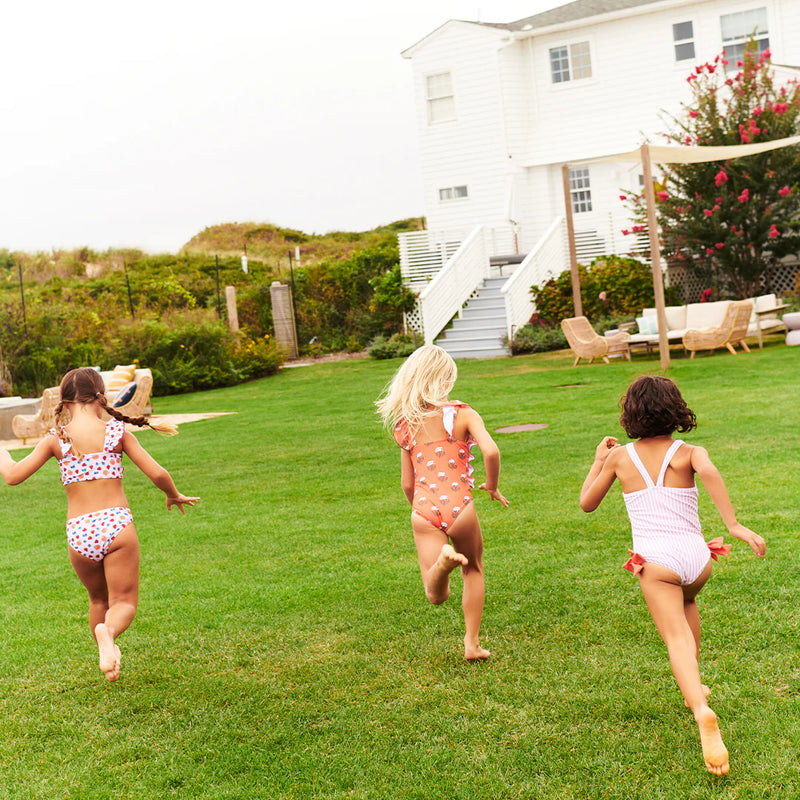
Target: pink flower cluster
751,130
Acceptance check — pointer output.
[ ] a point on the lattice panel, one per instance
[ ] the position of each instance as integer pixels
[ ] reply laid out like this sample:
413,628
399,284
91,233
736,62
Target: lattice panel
690,285
413,319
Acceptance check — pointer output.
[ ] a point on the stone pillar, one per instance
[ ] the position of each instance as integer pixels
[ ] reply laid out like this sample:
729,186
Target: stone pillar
283,319
233,314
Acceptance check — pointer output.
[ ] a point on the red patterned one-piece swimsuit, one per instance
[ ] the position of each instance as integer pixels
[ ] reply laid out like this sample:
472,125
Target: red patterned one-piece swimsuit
442,471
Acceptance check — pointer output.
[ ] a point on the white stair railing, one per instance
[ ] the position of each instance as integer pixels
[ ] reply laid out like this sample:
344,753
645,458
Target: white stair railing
550,257
444,296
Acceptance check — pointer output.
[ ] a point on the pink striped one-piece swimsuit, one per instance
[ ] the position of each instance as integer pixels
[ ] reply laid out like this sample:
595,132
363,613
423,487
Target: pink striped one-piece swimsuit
665,524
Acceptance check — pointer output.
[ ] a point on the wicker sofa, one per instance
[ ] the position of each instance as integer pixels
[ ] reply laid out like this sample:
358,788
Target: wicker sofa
764,318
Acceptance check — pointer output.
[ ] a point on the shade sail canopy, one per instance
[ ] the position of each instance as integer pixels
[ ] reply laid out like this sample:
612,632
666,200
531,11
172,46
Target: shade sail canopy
679,154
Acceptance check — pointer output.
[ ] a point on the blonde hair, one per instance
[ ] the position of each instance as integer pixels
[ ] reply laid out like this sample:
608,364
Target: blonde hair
85,385
419,387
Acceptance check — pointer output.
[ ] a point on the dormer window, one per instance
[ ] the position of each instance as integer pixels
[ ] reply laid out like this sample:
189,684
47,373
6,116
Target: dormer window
570,62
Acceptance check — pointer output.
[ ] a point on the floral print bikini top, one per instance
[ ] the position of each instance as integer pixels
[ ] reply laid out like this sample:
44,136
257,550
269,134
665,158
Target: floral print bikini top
93,466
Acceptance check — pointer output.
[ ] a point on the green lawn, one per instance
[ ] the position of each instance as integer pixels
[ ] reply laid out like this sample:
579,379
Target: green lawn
284,647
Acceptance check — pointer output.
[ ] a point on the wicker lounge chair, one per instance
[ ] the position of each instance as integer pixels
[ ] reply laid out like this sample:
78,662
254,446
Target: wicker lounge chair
34,426
140,402
731,331
585,343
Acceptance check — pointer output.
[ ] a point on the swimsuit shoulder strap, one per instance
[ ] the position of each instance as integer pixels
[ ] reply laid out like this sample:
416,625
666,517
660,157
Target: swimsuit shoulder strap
673,448
449,418
637,462
115,429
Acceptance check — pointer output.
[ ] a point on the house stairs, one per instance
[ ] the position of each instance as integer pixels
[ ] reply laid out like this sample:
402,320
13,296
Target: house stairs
481,328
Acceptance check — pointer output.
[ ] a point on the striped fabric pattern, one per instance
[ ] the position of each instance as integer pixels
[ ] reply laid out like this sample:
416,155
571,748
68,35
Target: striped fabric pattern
664,522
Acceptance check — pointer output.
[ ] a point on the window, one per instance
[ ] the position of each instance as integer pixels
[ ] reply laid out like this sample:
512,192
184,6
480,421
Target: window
570,62
579,190
683,36
452,193
439,95
739,28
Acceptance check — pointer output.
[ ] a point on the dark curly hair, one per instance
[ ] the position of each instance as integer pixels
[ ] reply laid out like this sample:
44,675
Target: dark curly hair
653,406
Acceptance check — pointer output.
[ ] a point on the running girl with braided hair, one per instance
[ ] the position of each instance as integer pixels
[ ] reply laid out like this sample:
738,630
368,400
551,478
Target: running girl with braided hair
103,546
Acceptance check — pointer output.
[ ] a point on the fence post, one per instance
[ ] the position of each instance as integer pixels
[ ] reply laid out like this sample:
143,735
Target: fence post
233,315
283,319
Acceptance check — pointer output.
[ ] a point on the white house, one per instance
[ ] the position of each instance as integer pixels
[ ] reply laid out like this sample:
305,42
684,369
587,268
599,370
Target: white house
502,106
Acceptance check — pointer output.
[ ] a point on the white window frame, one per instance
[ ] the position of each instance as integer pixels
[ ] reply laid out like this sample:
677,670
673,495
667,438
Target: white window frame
440,103
733,45
569,62
580,190
448,194
681,45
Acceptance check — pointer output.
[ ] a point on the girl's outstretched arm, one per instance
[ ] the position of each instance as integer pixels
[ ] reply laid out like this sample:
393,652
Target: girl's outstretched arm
157,474
601,475
15,472
490,453
715,486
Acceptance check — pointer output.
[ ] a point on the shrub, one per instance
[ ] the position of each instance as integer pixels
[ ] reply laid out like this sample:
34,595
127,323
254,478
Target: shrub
193,351
537,339
610,286
400,345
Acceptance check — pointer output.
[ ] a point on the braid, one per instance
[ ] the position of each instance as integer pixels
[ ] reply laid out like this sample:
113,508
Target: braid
59,422
141,421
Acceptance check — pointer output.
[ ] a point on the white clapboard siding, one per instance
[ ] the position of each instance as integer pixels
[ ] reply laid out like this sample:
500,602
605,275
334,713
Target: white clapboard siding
514,127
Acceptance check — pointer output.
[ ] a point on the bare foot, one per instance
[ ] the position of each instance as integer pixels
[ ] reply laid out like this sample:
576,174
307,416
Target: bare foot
715,753
706,694
109,653
449,559
474,652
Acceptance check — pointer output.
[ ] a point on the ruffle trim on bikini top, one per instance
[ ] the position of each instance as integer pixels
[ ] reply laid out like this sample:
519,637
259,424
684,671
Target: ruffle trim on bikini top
93,466
716,546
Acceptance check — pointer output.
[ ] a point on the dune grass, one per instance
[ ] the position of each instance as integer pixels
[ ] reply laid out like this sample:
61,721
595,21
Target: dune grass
284,648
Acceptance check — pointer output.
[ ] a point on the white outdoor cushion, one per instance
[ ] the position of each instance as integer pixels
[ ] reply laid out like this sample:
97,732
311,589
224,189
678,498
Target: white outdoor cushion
676,316
700,316
764,303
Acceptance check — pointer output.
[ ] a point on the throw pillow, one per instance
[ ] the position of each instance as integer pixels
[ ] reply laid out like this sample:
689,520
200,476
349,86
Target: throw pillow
120,376
125,395
648,325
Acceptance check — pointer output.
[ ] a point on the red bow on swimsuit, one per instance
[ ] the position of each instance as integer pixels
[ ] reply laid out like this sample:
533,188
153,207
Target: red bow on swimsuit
716,547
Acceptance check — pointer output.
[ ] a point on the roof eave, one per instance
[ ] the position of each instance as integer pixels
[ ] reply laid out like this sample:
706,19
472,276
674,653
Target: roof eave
597,19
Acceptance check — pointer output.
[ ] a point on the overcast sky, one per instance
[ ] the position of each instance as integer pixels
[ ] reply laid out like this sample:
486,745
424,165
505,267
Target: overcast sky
140,124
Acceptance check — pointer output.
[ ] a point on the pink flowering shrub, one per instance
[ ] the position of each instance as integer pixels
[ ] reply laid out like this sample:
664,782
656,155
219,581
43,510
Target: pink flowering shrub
731,221
610,286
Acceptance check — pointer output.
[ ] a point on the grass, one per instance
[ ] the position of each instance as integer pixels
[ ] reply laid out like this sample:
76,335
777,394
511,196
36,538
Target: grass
284,648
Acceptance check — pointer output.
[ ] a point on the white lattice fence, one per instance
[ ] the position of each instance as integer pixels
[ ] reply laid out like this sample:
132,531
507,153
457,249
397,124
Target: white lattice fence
782,280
